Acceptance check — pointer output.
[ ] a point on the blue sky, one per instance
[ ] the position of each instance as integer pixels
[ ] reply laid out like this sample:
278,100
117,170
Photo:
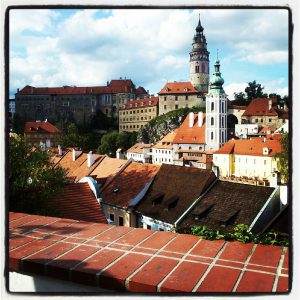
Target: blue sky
90,47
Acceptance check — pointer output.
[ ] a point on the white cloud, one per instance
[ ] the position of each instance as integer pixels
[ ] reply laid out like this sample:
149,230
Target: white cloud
144,45
235,87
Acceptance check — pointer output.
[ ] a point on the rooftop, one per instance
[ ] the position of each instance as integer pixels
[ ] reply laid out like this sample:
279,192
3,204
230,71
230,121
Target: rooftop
40,126
254,146
178,88
141,260
167,141
138,148
146,102
190,135
77,201
228,204
173,190
126,185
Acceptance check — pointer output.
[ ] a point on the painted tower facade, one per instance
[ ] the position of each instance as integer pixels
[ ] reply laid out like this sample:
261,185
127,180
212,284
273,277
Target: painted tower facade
216,112
199,61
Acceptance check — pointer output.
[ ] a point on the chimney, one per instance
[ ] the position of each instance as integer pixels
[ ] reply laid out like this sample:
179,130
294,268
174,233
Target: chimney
191,119
270,104
75,154
90,159
59,150
200,119
46,120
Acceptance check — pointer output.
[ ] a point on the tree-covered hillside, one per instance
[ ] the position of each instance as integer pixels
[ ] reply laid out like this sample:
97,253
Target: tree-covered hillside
157,128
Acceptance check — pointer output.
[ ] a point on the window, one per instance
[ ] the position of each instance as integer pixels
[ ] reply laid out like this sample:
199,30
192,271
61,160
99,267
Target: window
203,68
176,106
121,221
265,162
223,107
211,135
270,120
112,217
212,106
176,98
165,107
212,121
256,120
148,226
254,161
196,69
186,97
261,120
165,98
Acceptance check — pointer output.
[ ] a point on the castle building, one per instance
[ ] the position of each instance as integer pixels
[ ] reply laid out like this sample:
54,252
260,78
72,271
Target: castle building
199,61
73,103
216,112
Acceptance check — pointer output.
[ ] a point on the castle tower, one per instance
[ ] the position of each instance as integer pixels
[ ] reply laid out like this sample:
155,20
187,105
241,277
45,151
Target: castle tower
216,112
199,61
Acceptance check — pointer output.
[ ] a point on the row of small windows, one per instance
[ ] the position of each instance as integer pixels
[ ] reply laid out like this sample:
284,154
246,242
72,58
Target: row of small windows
121,220
137,111
176,106
212,107
176,98
212,121
135,119
163,151
246,160
131,126
162,160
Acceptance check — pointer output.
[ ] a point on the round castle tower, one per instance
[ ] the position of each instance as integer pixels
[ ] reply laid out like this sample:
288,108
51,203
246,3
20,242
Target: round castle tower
199,61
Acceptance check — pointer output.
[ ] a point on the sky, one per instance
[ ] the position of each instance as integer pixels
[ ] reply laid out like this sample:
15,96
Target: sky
90,47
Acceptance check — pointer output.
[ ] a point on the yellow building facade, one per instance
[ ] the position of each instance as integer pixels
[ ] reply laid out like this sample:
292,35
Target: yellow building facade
137,113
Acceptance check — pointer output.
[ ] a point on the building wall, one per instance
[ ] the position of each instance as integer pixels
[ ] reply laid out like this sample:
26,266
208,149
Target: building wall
236,112
129,218
149,223
242,130
34,139
168,102
245,165
264,121
162,156
132,119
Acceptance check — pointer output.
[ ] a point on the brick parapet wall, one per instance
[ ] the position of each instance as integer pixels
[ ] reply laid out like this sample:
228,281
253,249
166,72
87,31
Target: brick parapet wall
140,260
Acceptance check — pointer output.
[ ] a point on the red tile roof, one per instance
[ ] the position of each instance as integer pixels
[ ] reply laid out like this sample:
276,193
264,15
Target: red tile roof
146,102
178,88
107,168
77,201
138,148
197,265
43,126
240,107
167,141
260,107
126,185
267,129
251,147
115,86
190,135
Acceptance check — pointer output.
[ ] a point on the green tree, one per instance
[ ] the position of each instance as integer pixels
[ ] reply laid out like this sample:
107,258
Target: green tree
33,180
18,124
254,90
109,144
282,158
240,99
126,140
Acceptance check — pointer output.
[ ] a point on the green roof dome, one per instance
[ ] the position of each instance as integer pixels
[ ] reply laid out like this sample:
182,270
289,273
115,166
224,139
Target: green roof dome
217,81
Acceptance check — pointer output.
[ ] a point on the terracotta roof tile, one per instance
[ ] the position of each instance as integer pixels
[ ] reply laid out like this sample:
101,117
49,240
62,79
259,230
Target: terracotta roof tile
181,184
260,107
140,103
190,135
47,127
178,88
167,141
126,185
228,204
251,147
77,201
108,167
138,148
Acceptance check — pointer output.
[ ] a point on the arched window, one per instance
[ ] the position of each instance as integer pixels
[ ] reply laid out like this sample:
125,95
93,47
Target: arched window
196,69
212,106
203,68
211,135
212,121
223,106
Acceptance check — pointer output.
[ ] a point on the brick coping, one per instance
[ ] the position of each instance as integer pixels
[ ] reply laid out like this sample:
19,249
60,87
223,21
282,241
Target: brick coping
141,260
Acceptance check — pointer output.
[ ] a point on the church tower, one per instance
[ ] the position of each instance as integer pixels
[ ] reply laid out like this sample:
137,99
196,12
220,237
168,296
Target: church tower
199,61
216,112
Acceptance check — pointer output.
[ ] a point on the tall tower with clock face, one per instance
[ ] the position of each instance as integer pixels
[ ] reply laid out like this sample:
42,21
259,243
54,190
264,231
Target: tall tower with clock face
199,61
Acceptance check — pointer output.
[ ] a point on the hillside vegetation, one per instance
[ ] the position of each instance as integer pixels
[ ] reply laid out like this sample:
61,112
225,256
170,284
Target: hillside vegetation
157,128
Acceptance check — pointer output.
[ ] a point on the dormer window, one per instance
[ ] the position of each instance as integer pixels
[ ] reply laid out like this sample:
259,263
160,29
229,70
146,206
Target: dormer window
185,89
166,89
